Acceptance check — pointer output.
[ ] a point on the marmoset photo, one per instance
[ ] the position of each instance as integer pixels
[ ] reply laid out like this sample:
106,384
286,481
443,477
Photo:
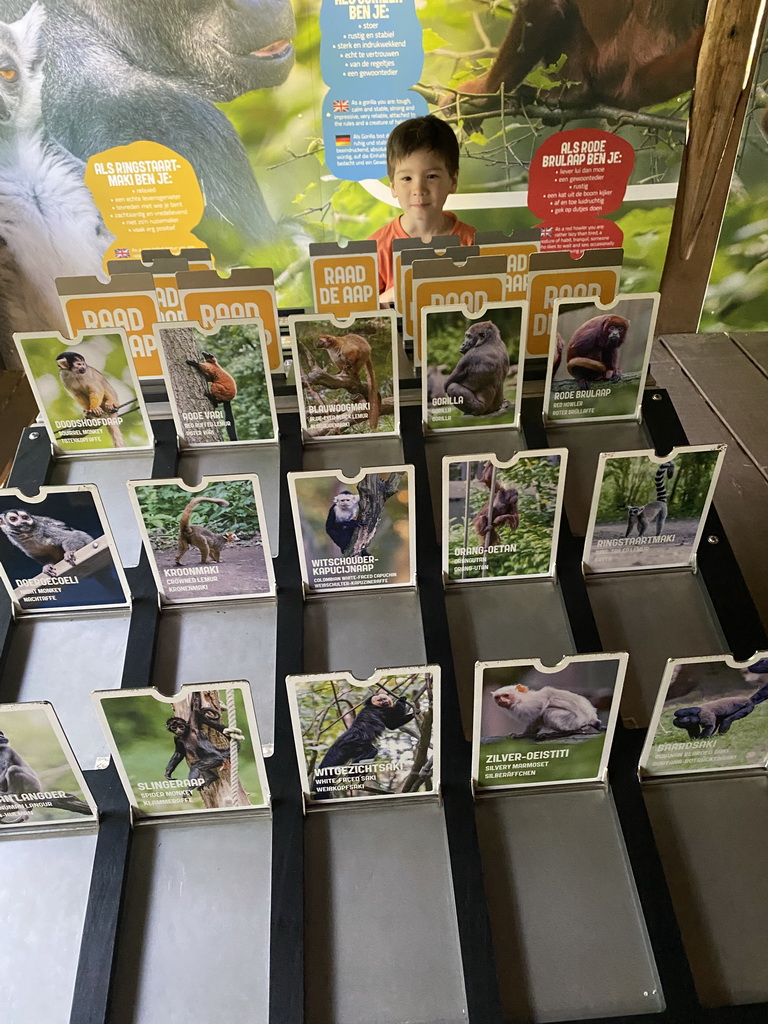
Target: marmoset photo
207,544
501,521
355,534
346,375
363,741
86,391
218,384
471,368
541,727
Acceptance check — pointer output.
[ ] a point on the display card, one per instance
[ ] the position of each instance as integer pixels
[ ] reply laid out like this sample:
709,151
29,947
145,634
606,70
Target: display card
559,275
163,271
520,537
195,752
407,259
649,512
473,366
598,358
247,294
711,715
345,278
218,387
367,739
127,302
346,374
517,248
438,245
541,726
41,784
87,391
205,543
57,553
198,257
355,532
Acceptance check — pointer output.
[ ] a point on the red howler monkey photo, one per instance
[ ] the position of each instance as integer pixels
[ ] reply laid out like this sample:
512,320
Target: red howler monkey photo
622,53
593,352
346,378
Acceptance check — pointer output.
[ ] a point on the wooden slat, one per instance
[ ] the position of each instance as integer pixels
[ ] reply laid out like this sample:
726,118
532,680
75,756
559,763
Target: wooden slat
755,346
732,385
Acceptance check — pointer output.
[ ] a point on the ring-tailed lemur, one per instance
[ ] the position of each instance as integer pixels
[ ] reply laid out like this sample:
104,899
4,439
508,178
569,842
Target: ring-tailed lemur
643,516
49,224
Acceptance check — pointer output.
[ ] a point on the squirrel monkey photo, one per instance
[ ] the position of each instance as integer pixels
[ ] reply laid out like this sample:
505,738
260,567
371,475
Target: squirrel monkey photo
87,385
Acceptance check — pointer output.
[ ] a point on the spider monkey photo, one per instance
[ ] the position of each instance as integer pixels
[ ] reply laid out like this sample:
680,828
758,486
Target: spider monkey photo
192,743
625,53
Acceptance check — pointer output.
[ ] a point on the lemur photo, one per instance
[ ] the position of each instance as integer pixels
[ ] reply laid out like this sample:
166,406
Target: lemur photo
194,753
711,714
501,522
354,535
366,741
40,782
87,391
598,358
537,727
472,367
647,513
346,376
218,387
205,544
57,553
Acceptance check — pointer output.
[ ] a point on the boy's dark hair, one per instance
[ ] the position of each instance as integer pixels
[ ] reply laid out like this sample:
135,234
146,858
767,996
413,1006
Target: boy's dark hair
427,132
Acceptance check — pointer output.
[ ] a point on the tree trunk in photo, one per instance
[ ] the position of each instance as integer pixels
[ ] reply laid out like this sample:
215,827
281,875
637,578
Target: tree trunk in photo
189,385
215,794
374,490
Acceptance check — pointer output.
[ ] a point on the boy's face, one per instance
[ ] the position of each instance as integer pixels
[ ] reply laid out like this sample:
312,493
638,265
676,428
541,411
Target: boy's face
421,183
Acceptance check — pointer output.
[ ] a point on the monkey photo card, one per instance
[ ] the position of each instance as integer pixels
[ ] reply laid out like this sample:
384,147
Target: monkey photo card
41,785
598,358
519,540
218,383
536,725
367,739
205,543
648,511
57,553
87,391
346,374
355,532
193,753
473,366
711,715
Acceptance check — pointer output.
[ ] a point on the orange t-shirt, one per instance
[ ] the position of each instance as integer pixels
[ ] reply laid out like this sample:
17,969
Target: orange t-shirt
392,230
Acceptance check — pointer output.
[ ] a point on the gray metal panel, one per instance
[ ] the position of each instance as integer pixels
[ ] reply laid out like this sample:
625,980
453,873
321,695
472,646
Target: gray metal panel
568,931
381,941
654,617
712,835
194,935
264,460
359,633
503,443
110,475
497,622
44,885
235,640
62,660
350,455
584,442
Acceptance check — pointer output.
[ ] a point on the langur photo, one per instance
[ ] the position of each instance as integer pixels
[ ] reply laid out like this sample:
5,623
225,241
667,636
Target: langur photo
471,367
714,716
55,553
87,391
354,534
382,734
515,538
346,375
543,727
